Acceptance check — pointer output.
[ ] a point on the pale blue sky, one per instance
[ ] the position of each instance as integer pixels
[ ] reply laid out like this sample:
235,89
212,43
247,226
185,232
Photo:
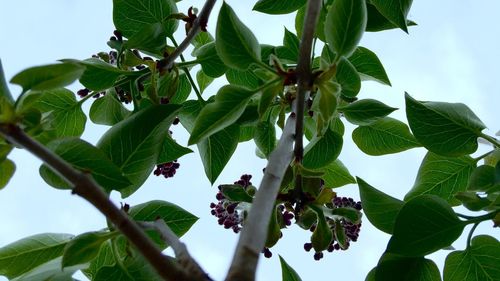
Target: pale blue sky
450,56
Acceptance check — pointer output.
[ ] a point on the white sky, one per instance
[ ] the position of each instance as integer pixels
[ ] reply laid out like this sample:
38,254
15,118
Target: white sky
449,56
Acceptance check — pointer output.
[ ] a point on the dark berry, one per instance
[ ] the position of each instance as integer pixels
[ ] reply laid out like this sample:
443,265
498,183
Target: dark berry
168,169
267,253
318,256
83,92
308,246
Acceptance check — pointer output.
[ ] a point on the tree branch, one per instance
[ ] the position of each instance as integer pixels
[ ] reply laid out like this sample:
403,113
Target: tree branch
200,22
87,188
254,234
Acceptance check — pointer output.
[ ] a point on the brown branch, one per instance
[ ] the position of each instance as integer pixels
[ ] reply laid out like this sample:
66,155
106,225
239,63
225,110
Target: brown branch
254,234
87,188
200,22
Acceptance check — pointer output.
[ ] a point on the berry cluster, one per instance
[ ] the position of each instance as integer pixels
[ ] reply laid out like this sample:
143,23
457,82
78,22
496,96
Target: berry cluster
167,169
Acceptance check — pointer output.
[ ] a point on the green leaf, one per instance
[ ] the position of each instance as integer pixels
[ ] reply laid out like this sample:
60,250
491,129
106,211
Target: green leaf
348,77
396,268
322,150
151,38
287,272
229,104
380,208
337,175
131,16
366,111
325,100
479,262
265,137
377,22
276,7
449,129
135,268
344,25
322,235
171,151
442,176
203,80
369,66
135,143
210,61
235,192
482,178
25,254
99,75
395,11
87,158
216,150
201,39
4,89
7,170
108,110
424,225
51,271
246,133
48,77
244,78
236,45
289,52
64,113
268,96
472,201
385,136
177,219
84,247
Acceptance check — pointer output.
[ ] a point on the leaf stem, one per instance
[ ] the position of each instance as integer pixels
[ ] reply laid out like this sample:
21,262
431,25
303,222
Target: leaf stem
80,102
469,237
482,218
477,159
187,63
491,139
188,74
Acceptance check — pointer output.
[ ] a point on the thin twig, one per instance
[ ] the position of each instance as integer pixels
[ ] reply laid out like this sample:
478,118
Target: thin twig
200,21
254,234
87,188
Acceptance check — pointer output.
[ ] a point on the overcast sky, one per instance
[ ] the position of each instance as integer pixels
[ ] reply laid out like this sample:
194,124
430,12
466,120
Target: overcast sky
450,56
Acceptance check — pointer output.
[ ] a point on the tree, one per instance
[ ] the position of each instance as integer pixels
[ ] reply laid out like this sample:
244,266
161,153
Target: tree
333,77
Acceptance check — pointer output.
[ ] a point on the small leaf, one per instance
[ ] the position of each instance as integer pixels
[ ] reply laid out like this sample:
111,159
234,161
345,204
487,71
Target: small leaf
366,111
287,272
235,192
265,137
268,96
135,143
472,201
108,110
25,254
395,11
51,271
322,150
424,225
210,61
369,66
4,89
273,229
344,25
377,22
99,75
7,170
380,208
171,151
340,235
396,268
449,129
326,100
337,175
348,213
131,16
479,262
482,178
48,77
276,7
203,80
442,176
87,158
385,136
322,235
229,104
84,247
348,77
236,45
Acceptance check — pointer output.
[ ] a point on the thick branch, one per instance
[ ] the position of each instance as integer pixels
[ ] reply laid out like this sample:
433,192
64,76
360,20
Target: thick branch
254,234
200,21
87,188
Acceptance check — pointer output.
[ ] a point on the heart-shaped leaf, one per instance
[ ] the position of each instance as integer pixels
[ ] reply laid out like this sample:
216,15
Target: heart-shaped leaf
48,77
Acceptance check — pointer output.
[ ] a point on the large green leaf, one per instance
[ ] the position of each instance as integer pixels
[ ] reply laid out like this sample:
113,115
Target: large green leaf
449,129
4,89
171,151
64,113
131,16
236,45
366,111
344,25
396,268
85,157
25,254
135,268
7,170
336,175
482,178
84,247
209,60
98,75
48,77
265,137
245,78
348,77
135,143
287,272
229,104
151,38
394,10
322,150
424,225
377,22
275,7
108,110
380,208
385,136
442,176
369,66
479,262
51,271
